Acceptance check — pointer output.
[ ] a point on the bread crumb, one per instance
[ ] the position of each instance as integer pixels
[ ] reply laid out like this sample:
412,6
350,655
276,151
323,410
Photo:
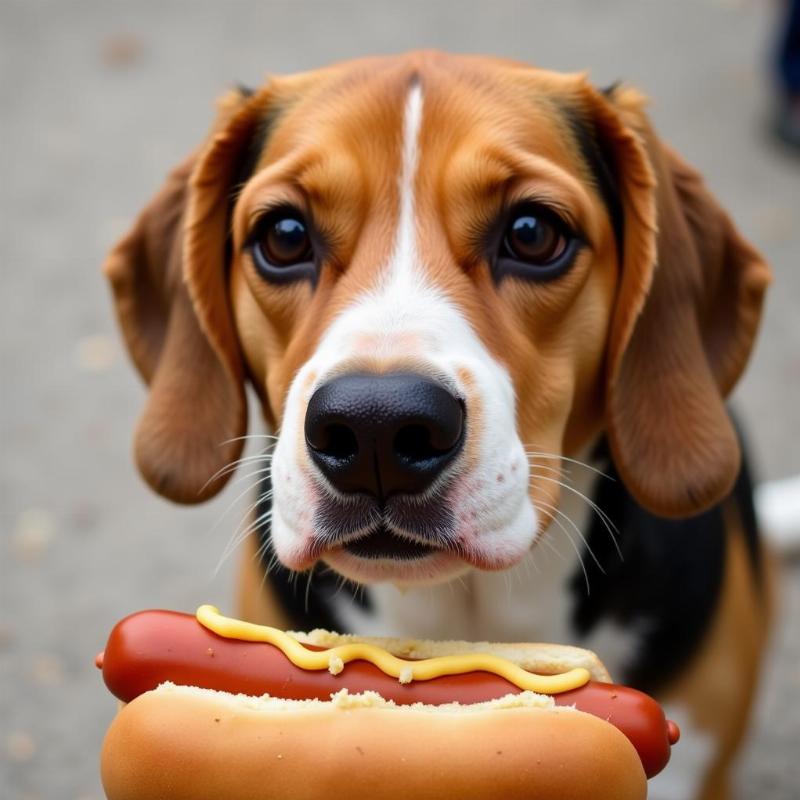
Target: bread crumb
406,675
335,665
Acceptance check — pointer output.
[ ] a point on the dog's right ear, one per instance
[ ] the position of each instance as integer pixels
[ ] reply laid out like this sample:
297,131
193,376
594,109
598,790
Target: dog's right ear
169,281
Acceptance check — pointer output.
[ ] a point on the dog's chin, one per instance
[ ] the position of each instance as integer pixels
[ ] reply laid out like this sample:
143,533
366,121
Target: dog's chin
437,566
423,566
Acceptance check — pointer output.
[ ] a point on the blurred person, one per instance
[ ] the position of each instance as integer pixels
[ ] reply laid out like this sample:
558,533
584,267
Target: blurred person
787,63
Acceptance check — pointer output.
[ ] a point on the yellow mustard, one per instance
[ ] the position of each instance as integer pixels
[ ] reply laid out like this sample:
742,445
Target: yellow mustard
404,670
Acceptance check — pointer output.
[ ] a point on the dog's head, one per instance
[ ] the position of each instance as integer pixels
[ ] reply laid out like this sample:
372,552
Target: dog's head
439,274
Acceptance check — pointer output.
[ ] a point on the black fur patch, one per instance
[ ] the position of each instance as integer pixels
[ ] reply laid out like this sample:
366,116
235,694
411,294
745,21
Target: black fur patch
255,147
601,166
246,166
667,585
308,599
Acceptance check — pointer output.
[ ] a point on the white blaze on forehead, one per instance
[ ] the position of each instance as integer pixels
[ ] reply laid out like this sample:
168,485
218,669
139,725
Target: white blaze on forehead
404,254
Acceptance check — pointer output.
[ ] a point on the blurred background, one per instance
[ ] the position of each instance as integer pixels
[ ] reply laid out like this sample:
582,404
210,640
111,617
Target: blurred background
98,100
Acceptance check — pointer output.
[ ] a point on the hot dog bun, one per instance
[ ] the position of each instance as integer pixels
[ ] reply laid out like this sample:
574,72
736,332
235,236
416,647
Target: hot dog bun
177,742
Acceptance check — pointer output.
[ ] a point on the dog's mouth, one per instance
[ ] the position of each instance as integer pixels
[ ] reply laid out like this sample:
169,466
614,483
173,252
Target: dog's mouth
384,555
382,543
406,540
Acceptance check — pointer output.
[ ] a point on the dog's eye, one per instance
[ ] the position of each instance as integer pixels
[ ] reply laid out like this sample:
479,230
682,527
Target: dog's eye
281,246
536,244
534,239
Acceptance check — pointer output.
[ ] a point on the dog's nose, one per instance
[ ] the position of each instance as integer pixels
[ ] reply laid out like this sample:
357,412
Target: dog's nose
383,434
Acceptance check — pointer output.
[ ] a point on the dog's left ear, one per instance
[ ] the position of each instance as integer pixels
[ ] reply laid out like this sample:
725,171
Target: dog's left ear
687,310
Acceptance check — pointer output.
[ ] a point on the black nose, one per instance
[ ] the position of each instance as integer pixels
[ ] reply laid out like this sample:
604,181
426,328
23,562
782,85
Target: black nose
383,434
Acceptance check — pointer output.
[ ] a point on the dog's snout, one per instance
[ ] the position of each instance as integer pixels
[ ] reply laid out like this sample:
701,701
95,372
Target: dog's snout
383,434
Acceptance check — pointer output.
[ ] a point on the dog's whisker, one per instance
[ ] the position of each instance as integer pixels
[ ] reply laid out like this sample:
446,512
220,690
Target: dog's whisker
533,563
273,563
517,578
260,498
547,541
233,467
258,521
507,585
576,461
261,471
575,548
577,530
253,486
308,589
558,471
340,584
608,523
261,551
250,436
222,471
363,590
240,535
264,456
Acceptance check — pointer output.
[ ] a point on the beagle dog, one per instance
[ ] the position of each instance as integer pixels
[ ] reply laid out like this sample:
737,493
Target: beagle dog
492,320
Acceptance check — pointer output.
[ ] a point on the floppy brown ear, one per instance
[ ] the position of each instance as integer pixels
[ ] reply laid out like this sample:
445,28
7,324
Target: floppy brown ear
687,310
168,276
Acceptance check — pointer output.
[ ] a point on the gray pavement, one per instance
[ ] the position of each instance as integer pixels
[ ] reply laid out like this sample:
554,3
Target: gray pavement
97,100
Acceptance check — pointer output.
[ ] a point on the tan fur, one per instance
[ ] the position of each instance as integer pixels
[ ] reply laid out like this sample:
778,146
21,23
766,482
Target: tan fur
718,686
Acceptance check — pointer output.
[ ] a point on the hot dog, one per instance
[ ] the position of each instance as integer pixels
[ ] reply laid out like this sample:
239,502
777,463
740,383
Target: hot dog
150,648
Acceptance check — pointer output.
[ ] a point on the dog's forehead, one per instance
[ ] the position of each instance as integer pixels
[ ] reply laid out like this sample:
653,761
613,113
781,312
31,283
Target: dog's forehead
479,103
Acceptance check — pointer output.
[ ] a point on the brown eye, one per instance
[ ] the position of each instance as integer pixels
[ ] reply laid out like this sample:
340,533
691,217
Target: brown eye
285,242
281,246
536,245
534,239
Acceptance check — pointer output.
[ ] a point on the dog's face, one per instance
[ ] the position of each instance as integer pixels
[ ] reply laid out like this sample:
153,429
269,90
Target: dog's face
439,274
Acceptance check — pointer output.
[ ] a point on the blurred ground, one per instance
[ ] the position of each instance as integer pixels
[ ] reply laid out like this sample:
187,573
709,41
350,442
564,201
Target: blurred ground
97,100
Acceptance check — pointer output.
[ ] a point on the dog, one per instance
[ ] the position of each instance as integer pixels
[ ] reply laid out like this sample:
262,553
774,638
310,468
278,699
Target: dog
494,320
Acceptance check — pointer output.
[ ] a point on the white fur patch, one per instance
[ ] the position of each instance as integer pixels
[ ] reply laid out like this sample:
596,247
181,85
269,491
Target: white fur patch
778,505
